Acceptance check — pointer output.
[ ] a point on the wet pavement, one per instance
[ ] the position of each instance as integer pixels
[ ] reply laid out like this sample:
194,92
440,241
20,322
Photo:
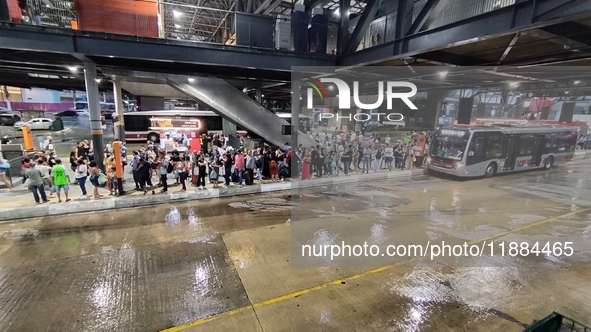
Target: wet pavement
228,264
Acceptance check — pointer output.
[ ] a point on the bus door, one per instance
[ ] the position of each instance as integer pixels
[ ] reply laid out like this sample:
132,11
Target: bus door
539,142
511,153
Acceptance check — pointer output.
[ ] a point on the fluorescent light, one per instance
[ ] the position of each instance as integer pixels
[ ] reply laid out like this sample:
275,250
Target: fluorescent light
566,92
577,82
514,84
178,26
176,13
98,80
443,73
191,79
73,69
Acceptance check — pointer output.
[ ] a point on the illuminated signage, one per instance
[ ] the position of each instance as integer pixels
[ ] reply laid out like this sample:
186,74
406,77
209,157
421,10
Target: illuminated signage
447,132
174,124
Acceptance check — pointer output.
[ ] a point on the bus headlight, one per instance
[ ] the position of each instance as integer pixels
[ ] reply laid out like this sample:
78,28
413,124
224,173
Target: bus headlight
459,165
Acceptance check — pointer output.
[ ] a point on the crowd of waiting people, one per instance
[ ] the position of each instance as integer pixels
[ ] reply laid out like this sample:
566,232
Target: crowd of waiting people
217,163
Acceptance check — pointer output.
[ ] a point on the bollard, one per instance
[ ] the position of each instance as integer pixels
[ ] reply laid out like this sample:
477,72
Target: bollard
28,138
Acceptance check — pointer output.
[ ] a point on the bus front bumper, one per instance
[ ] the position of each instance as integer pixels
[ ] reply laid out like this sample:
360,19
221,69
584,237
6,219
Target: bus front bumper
456,170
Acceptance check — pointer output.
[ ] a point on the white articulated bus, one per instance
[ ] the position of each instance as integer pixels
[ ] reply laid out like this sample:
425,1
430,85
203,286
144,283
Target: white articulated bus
467,151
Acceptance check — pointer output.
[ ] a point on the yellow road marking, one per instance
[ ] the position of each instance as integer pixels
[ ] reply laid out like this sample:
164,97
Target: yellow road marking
357,276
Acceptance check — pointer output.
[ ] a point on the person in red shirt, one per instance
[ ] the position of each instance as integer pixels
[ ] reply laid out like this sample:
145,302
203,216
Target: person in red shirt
239,166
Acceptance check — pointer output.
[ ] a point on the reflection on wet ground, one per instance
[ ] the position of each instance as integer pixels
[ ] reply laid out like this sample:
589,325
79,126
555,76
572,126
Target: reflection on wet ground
153,268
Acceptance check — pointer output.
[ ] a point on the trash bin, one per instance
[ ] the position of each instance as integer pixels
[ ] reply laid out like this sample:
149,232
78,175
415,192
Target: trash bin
57,125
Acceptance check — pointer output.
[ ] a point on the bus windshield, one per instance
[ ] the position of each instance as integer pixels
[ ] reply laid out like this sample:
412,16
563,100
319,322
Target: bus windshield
449,144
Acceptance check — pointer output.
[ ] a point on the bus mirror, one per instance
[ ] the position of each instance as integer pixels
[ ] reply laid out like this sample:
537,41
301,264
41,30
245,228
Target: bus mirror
471,154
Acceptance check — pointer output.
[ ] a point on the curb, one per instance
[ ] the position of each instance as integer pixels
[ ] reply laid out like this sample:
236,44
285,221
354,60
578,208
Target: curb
37,211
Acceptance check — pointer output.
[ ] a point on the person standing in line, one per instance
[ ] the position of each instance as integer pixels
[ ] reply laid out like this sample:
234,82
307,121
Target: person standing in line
306,162
215,166
239,166
144,174
163,171
35,179
95,173
61,180
81,175
249,164
346,158
258,164
135,163
181,168
202,172
366,158
4,169
389,156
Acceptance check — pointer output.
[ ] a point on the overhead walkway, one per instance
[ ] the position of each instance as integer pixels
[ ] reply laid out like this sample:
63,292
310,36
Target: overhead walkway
230,103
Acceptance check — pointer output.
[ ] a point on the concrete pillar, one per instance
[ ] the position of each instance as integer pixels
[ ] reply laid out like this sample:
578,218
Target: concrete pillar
118,96
567,111
94,110
465,110
433,107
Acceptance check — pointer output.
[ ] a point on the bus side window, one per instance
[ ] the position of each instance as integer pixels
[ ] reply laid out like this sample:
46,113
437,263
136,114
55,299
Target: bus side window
526,145
494,146
476,147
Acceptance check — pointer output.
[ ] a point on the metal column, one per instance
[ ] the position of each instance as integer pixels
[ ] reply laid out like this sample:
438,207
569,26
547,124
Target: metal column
118,96
295,112
94,110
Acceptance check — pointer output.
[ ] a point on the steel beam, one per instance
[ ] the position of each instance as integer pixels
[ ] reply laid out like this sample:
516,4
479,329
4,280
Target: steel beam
403,24
451,58
153,49
426,14
343,37
493,24
550,11
311,4
367,16
263,6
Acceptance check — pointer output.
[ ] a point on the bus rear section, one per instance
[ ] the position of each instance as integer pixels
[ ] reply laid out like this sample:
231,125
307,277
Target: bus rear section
489,151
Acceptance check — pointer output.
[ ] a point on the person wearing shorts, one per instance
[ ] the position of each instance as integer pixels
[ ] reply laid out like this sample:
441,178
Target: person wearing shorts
61,178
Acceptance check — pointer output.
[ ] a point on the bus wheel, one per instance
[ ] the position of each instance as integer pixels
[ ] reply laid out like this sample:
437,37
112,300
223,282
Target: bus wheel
491,170
549,162
153,137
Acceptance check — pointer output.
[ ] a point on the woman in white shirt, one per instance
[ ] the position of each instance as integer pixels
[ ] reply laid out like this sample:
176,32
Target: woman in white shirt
81,176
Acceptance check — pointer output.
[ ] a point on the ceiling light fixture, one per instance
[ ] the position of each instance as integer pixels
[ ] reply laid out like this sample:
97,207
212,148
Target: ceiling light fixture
577,82
337,13
73,69
191,80
566,92
178,26
443,73
177,13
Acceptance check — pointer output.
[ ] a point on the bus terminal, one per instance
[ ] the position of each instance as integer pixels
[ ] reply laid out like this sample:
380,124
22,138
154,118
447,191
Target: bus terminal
319,165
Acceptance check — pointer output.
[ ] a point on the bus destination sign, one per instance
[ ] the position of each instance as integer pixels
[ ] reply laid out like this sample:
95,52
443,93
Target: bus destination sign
456,133
163,123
